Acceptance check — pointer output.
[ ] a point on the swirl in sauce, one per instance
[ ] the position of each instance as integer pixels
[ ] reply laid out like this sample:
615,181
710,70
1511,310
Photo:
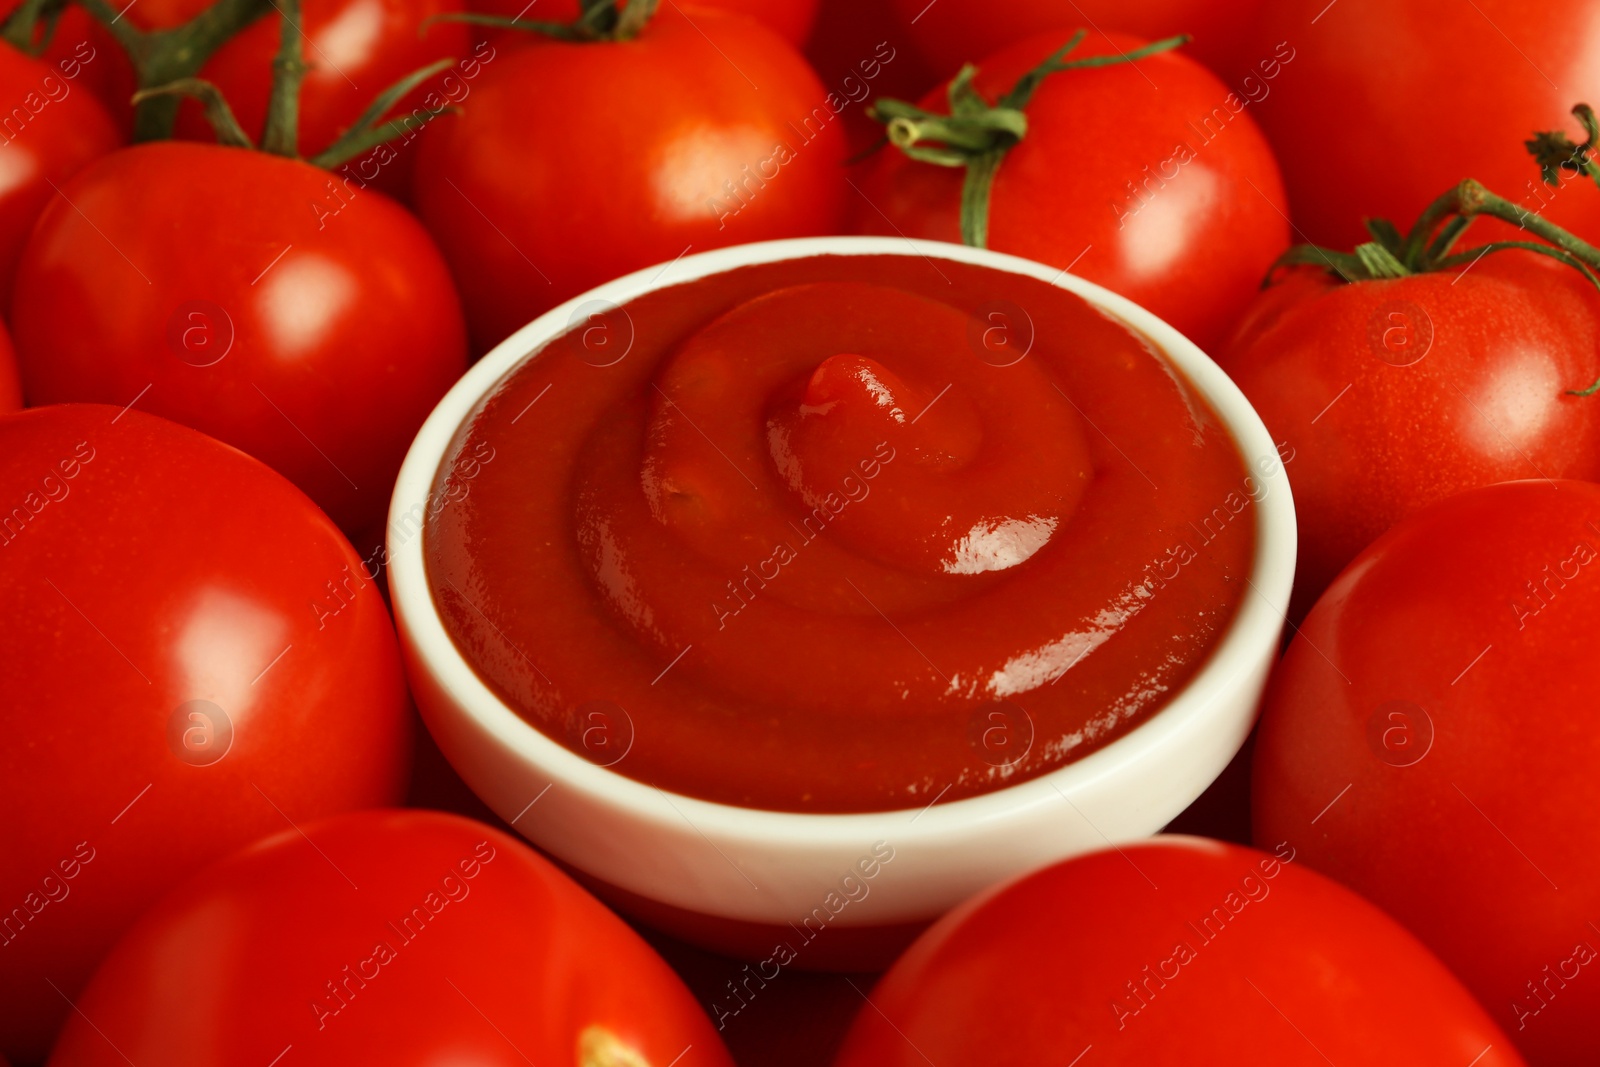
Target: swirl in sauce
835,534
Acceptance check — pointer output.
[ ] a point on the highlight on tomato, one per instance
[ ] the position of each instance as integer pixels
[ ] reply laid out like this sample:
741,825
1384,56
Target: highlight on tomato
250,294
193,658
1126,162
395,937
1172,950
1430,737
536,194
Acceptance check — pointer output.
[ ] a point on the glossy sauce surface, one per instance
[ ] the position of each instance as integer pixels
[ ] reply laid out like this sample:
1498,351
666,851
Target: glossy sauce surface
841,534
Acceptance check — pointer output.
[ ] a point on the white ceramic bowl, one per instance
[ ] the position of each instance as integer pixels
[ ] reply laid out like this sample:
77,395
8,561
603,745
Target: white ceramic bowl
775,868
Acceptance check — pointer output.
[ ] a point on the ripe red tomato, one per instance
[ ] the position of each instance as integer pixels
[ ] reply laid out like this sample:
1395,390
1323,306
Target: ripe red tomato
394,937
313,331
1138,177
1397,393
1361,134
1177,950
1430,740
192,659
949,33
51,128
535,197
792,19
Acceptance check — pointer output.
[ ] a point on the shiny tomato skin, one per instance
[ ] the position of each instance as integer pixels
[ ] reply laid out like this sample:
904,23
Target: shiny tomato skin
494,957
1361,134
1098,184
534,196
790,19
63,128
1436,721
144,566
345,328
1176,950
1394,394
949,33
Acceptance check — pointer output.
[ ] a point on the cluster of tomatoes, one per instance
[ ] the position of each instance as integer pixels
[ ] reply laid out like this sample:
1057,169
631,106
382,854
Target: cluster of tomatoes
245,248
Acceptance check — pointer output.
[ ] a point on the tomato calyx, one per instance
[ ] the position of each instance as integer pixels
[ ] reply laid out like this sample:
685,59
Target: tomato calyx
1427,248
281,133
1555,152
599,21
976,134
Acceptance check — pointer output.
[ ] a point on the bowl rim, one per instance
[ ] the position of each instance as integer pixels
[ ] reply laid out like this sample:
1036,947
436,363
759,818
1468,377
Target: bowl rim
1259,616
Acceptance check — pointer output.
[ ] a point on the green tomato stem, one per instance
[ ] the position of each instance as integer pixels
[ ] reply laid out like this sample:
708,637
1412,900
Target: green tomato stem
368,132
160,57
281,136
217,111
561,31
599,21
1475,200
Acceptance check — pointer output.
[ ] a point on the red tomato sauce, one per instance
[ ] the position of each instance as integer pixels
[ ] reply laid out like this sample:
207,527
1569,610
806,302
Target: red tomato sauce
848,533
